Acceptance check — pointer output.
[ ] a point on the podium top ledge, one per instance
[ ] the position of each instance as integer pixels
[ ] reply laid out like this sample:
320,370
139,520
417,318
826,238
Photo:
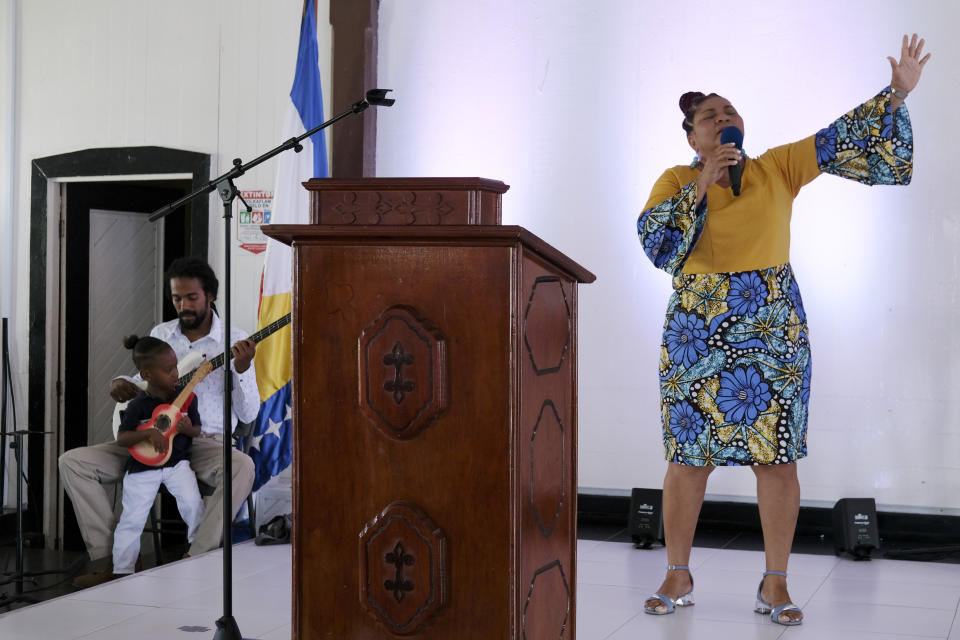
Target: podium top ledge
450,184
439,235
400,201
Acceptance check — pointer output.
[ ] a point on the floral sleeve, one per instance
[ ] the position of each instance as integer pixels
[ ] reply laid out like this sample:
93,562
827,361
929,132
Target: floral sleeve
669,230
869,144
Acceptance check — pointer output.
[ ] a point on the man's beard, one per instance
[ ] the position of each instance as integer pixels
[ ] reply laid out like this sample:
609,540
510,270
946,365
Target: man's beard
190,320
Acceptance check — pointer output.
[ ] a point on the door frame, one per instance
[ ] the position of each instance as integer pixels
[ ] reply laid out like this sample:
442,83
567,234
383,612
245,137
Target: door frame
44,397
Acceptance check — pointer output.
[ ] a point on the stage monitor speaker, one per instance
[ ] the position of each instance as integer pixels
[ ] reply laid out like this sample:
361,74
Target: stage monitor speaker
855,527
645,524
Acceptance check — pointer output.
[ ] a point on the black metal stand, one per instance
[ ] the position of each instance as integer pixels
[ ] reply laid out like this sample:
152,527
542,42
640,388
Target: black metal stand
227,628
19,576
3,416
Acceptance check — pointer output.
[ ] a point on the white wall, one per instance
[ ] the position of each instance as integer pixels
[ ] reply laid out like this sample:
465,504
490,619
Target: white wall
574,104
8,46
211,76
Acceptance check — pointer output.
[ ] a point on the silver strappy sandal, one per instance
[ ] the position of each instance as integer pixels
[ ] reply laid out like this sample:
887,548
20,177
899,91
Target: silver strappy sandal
765,607
684,600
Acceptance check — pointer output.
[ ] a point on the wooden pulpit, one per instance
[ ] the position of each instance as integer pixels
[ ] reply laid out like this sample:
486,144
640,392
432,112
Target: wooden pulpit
434,416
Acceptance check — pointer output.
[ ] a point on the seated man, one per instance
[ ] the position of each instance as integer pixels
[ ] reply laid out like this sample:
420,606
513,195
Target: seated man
192,287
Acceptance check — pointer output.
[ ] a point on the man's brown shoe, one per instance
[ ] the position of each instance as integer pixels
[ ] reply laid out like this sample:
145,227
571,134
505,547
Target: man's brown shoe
93,579
104,575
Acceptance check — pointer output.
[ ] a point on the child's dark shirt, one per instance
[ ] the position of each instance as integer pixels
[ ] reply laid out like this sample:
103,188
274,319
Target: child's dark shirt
140,410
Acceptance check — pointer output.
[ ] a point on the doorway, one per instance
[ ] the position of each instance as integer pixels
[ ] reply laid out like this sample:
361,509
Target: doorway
94,252
112,277
113,264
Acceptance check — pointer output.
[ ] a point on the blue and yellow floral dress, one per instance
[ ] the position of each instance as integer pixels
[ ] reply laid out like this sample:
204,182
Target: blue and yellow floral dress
735,358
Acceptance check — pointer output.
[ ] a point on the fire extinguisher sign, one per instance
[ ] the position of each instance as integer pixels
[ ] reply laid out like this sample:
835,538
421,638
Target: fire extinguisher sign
249,236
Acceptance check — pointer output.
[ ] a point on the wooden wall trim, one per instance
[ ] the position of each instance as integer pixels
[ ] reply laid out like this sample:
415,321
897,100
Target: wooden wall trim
354,140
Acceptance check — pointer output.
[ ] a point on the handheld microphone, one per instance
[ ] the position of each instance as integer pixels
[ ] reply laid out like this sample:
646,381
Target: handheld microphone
734,135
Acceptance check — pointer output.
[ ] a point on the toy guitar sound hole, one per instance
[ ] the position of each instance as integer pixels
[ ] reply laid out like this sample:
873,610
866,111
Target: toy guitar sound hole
162,423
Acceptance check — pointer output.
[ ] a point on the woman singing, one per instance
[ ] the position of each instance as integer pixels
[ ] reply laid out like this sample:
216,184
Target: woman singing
735,357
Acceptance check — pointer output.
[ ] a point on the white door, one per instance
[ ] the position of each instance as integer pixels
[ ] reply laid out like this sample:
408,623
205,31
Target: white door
126,269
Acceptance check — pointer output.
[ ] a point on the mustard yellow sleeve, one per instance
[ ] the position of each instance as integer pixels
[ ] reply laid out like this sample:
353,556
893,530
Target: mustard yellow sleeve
796,162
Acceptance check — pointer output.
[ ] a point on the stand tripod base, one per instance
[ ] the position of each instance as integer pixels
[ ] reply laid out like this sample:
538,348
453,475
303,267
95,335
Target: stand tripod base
227,629
6,599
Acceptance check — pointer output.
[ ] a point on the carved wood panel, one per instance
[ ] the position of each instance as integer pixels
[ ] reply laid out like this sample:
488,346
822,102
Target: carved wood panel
548,473
377,207
548,312
548,461
403,574
546,611
403,372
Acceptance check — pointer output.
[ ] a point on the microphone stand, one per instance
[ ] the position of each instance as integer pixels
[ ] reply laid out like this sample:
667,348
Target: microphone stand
227,628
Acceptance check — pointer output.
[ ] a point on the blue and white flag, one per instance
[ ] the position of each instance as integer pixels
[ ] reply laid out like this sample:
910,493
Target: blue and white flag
272,443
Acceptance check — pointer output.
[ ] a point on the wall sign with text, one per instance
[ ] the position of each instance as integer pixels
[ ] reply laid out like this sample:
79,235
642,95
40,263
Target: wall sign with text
249,222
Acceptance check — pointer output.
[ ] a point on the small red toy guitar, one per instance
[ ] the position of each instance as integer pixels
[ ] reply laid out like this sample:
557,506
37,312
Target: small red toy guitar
165,418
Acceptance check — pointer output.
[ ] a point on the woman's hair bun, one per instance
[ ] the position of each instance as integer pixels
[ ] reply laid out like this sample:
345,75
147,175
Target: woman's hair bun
689,99
131,341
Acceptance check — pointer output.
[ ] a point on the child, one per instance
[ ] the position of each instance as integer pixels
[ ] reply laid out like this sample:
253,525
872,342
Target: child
158,367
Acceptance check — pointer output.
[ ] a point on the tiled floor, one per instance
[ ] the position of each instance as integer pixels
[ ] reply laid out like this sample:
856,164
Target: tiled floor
182,599
880,599
883,599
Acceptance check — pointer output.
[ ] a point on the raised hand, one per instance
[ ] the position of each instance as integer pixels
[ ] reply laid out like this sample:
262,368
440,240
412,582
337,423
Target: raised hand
906,72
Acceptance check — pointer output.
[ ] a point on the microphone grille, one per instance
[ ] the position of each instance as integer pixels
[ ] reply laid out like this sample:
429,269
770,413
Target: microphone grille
731,134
